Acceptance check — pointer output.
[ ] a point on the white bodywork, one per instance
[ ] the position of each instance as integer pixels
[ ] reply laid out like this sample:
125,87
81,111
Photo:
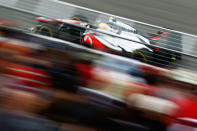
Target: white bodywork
129,42
120,36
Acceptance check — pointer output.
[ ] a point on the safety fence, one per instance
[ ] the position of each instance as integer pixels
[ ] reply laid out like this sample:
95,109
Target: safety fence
183,44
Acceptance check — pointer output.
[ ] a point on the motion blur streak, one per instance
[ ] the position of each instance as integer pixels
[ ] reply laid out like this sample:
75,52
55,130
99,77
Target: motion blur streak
50,82
48,88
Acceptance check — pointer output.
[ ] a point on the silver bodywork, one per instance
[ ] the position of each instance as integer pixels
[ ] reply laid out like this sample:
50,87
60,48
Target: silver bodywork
124,38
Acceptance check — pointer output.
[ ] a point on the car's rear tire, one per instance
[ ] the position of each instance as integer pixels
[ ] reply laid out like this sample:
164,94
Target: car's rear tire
45,30
142,55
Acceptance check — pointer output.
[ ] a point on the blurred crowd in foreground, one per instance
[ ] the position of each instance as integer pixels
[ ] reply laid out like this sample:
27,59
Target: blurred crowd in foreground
46,89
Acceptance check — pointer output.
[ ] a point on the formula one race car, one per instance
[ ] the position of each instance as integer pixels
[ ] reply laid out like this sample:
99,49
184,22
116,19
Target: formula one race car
113,37
118,38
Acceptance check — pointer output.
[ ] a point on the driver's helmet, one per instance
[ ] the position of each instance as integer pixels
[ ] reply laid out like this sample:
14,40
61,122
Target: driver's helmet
112,19
105,26
102,26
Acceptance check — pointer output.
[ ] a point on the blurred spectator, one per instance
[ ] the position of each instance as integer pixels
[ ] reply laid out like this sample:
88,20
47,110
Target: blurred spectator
24,89
19,112
84,72
60,68
17,70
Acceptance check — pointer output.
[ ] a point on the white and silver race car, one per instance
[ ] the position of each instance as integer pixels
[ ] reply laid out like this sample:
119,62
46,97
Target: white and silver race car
114,37
119,38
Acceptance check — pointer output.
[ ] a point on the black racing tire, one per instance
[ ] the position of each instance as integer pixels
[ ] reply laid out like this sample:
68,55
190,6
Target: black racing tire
45,30
142,55
80,18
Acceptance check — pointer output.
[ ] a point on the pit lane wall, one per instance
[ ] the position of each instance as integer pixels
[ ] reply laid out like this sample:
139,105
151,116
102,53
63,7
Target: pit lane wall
25,12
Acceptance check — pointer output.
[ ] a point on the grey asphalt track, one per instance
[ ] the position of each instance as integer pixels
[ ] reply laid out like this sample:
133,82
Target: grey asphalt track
180,15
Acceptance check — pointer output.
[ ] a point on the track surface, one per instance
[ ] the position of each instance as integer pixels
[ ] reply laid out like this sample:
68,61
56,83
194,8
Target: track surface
176,14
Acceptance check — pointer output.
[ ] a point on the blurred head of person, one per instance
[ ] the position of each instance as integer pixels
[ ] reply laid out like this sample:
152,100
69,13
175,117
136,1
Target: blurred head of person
10,50
106,27
24,102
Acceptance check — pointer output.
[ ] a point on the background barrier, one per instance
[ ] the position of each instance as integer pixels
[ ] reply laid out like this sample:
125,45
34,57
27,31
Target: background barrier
25,12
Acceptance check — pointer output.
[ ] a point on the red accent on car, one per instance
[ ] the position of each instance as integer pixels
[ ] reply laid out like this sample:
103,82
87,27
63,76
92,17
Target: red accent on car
95,43
46,20
156,37
88,40
165,34
157,48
